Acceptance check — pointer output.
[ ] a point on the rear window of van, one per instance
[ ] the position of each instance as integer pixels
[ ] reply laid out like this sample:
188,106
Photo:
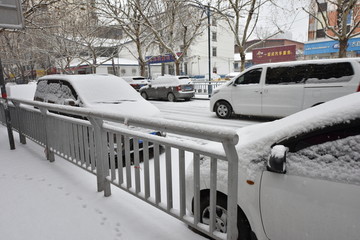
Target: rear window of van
310,73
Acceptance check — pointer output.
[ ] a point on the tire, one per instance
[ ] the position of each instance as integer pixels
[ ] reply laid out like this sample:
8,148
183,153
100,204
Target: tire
144,95
171,97
223,110
243,225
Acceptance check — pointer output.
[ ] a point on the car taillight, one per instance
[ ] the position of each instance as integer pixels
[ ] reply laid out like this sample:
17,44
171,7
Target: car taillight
178,88
358,90
134,85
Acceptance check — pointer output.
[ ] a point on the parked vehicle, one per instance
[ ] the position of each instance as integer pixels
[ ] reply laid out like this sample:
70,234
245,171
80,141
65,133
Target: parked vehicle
299,177
98,92
136,82
281,89
171,88
231,75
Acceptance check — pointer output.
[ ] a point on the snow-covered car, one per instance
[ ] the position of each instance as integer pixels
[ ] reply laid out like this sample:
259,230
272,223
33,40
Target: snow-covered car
171,88
95,91
299,177
98,92
136,82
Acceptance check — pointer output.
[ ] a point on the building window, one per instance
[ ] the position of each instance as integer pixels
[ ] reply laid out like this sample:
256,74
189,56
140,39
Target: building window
320,33
133,71
214,51
236,65
214,70
213,22
322,7
111,70
123,71
214,37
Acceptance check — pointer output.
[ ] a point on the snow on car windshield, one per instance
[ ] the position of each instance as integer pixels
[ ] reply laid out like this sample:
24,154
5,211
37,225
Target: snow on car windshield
336,161
105,89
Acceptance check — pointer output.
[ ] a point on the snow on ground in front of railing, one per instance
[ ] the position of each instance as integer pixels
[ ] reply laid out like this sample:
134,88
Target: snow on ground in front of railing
42,200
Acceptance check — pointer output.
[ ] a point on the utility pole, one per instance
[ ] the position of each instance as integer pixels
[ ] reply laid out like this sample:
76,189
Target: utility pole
11,18
209,49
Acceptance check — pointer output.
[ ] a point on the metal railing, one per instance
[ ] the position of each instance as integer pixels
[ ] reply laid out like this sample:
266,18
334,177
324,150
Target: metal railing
147,166
203,87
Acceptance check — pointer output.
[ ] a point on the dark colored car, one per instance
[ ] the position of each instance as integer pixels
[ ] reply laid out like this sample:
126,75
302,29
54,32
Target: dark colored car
171,88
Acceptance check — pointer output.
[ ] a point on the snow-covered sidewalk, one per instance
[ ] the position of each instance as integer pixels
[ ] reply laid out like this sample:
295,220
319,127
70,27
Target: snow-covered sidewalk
48,201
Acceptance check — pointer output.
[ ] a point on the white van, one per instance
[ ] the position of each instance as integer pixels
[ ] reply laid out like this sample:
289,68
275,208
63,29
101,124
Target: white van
281,89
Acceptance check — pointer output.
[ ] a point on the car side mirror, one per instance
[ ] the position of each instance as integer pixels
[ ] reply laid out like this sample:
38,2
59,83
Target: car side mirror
69,102
277,159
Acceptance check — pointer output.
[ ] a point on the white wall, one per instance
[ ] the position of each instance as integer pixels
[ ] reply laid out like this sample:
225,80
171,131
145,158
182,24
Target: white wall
197,59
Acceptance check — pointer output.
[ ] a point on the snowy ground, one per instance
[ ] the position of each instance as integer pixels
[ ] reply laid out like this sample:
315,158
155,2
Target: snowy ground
198,111
56,201
49,201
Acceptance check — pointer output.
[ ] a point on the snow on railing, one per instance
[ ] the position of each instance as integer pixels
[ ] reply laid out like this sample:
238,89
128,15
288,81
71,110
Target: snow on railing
119,150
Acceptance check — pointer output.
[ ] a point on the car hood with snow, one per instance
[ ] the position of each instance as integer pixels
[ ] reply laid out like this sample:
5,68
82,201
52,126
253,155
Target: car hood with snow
255,141
107,93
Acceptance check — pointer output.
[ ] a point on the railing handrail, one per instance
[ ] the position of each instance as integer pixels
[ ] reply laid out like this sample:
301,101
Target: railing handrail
207,132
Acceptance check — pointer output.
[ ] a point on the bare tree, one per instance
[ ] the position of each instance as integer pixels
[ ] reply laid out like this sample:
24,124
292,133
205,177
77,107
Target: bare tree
175,25
126,14
340,22
242,17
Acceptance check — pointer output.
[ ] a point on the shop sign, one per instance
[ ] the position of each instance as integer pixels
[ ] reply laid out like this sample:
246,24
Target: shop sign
274,54
330,47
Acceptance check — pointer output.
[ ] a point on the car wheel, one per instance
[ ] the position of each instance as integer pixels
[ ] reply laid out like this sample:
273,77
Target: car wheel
171,97
243,225
144,95
223,110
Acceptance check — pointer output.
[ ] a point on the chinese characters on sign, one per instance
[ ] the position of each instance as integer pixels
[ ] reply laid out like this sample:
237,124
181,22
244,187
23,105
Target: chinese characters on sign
274,54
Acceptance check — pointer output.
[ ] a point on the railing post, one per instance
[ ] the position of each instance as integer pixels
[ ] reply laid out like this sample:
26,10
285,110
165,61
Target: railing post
232,157
19,119
101,156
49,154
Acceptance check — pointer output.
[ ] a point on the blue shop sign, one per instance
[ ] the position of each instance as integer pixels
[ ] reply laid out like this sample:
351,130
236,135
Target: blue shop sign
330,47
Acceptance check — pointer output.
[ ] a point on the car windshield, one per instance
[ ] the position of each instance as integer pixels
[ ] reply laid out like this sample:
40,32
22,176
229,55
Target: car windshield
105,90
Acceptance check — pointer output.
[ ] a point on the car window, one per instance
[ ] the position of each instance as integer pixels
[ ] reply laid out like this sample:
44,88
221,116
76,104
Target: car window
250,77
286,75
331,72
58,91
40,92
333,156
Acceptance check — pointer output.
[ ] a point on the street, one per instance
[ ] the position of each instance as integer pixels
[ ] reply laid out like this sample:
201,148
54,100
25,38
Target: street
197,111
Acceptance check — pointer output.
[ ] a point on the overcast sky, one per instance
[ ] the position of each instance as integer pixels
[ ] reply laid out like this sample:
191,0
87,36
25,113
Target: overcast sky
292,19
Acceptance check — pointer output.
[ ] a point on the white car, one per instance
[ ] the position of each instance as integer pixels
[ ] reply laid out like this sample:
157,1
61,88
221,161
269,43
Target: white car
95,91
299,177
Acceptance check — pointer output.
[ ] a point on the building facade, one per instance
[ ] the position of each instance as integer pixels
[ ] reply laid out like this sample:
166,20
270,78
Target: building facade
196,61
319,45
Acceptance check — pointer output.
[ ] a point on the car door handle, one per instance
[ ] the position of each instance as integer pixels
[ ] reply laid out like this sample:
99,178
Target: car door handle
257,91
